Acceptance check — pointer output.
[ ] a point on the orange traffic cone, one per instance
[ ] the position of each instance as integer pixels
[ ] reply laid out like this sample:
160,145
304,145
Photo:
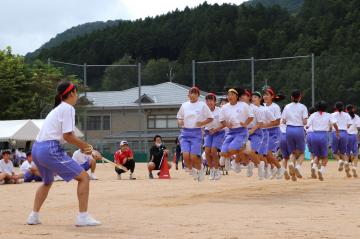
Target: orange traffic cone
164,169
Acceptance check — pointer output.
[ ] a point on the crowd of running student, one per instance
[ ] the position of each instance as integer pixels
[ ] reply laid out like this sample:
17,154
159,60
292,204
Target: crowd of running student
250,130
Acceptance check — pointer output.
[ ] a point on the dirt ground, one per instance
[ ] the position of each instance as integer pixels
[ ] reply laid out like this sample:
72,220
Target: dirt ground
234,207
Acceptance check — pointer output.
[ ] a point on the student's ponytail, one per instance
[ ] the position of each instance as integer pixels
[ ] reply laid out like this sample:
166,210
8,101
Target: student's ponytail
339,106
296,96
63,90
350,110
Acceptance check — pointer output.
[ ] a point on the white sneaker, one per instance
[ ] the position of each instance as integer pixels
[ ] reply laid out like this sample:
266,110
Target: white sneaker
250,168
236,167
268,171
201,175
217,174
261,170
86,221
194,173
280,173
274,171
212,174
119,176
33,219
227,165
92,176
354,172
297,172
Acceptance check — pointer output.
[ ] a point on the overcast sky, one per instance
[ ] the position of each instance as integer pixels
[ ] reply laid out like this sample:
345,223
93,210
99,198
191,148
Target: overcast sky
27,24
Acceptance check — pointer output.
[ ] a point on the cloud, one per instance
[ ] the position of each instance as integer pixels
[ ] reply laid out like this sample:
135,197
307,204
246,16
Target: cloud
27,24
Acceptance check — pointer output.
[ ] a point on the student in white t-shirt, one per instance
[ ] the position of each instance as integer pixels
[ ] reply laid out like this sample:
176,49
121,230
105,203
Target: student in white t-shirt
29,170
7,169
339,145
192,116
51,158
295,117
87,161
321,122
236,116
271,126
352,141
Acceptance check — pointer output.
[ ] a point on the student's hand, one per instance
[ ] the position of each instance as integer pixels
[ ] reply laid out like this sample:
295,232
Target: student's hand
199,124
213,131
166,151
251,131
87,149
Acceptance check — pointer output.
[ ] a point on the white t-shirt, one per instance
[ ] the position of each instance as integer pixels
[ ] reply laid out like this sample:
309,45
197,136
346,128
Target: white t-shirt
321,122
25,166
271,113
6,167
192,113
216,122
234,114
80,158
257,113
355,124
294,114
59,121
342,119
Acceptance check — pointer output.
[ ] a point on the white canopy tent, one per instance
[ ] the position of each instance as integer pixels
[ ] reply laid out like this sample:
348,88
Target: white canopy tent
23,130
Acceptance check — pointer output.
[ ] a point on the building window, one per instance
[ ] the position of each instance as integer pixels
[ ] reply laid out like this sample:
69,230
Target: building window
162,122
98,122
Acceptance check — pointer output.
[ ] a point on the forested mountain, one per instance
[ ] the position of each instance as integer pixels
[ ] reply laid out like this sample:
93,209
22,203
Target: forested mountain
329,29
292,6
73,33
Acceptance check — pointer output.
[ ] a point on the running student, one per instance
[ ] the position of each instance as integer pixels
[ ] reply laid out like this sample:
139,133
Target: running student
192,116
256,135
339,144
295,117
309,134
273,130
321,122
87,162
352,142
236,116
214,137
50,157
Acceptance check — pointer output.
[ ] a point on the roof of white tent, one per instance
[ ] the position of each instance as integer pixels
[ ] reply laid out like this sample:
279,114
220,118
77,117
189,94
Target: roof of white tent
23,130
18,130
39,123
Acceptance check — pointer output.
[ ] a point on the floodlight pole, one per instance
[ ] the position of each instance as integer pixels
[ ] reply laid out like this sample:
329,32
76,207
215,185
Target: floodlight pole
312,79
252,74
85,110
193,72
139,103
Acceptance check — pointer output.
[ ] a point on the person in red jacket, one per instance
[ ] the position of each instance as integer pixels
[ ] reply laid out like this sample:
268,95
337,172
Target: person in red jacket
125,157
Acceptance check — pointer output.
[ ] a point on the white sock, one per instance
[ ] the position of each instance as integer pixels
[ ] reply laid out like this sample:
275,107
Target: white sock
314,166
298,166
354,167
83,214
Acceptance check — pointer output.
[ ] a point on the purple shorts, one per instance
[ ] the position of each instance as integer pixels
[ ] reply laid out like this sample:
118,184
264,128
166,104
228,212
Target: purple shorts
295,137
86,166
319,143
309,142
256,140
190,141
339,144
235,139
352,145
274,139
29,177
214,140
284,146
50,158
264,144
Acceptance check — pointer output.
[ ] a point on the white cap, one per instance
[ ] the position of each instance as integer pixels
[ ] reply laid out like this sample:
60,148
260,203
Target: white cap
124,142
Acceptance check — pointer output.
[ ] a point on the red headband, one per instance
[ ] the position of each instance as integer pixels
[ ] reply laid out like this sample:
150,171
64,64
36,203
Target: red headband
194,88
271,91
248,93
68,89
212,95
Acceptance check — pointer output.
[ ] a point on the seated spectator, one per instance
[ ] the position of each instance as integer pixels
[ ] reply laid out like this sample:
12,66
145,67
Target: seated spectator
7,169
156,155
29,170
125,157
87,161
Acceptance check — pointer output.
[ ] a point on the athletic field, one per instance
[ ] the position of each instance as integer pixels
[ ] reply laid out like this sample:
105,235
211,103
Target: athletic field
234,207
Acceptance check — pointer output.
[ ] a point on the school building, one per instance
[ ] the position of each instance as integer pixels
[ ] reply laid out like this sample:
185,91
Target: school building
113,116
